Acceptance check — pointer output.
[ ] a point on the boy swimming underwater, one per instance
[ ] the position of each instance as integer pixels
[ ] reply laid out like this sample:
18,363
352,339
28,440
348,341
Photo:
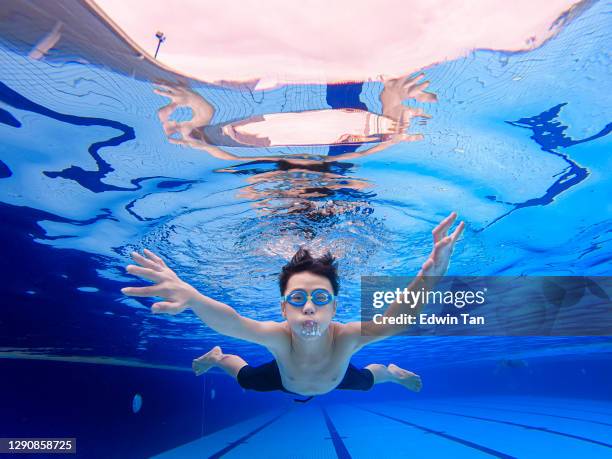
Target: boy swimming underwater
311,352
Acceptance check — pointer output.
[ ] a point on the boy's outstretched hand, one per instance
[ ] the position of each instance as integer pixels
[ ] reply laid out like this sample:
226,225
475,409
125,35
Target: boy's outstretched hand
437,263
168,285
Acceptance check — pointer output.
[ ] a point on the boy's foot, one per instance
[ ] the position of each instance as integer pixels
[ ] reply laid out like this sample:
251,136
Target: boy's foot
406,378
207,361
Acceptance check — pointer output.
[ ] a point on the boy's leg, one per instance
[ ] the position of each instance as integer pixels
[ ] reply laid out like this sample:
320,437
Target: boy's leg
393,373
229,363
261,378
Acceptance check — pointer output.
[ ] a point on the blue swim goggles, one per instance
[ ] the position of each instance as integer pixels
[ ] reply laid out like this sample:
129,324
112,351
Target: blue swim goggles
299,297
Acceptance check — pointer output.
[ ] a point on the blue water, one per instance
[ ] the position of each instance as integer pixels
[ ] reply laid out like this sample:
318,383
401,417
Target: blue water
518,144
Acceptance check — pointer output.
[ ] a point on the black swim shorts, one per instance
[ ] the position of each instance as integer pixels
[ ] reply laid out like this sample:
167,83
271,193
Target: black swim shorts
266,377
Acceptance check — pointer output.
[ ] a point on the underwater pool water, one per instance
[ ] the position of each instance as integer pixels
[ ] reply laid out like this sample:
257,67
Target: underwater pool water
94,164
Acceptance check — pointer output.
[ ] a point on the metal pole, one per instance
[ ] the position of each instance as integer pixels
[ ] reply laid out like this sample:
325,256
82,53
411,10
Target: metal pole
160,37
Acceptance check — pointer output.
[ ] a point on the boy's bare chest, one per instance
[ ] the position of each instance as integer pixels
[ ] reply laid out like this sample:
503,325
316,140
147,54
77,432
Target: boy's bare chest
315,374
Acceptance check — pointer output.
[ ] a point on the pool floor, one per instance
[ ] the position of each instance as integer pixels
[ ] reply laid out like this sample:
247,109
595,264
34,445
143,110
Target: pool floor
522,427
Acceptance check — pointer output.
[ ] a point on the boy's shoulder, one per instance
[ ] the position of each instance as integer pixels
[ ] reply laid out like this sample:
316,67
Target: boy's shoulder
343,330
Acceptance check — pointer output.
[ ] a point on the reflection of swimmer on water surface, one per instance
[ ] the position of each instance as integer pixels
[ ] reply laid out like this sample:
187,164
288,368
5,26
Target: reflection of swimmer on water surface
316,191
345,127
285,163
313,210
310,193
312,353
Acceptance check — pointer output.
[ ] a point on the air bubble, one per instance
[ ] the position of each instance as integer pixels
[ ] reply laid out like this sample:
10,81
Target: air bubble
136,403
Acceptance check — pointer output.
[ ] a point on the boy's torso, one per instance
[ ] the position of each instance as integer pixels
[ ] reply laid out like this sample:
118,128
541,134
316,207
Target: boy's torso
318,374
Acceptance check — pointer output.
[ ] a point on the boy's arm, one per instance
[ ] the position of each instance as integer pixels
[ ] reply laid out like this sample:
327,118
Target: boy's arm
364,333
225,320
179,295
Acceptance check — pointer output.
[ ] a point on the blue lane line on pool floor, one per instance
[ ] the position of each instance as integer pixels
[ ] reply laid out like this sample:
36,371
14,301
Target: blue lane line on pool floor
245,437
489,407
462,441
516,424
565,408
339,446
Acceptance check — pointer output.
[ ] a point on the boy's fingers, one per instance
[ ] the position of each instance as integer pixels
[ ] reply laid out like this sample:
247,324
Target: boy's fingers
162,92
151,255
140,291
163,306
179,141
414,112
145,262
442,249
410,137
411,79
154,257
439,246
422,86
443,227
458,231
147,273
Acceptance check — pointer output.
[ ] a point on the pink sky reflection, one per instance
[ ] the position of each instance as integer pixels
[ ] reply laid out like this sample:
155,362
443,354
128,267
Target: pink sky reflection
278,41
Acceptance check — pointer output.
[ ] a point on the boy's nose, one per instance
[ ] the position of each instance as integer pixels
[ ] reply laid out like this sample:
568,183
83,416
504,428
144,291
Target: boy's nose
309,308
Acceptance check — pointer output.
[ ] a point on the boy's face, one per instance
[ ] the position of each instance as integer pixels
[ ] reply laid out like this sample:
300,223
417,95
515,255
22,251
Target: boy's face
308,321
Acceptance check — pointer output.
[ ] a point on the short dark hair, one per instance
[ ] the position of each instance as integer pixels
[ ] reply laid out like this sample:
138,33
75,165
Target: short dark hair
302,261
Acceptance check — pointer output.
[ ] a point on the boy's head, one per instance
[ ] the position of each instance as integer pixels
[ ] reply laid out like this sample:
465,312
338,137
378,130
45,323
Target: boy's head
303,261
307,275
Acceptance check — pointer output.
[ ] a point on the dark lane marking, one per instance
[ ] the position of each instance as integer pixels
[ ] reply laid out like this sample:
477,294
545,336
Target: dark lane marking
462,441
580,410
336,439
244,438
516,424
488,407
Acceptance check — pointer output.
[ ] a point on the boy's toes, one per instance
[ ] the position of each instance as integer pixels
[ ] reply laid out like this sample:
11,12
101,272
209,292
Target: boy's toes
203,363
406,378
195,366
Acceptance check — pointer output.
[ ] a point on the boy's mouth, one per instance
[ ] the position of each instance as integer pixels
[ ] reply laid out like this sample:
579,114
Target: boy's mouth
310,328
